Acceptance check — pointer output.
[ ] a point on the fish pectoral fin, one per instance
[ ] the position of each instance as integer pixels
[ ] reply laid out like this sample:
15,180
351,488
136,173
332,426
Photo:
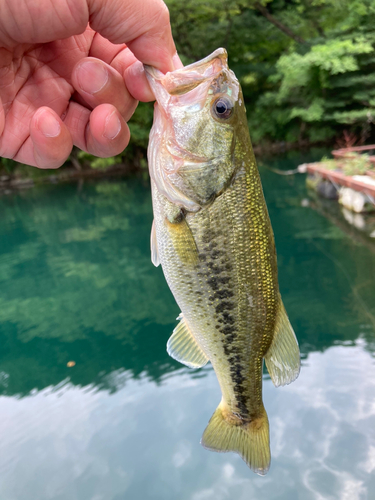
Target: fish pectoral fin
283,357
154,246
183,240
183,347
249,439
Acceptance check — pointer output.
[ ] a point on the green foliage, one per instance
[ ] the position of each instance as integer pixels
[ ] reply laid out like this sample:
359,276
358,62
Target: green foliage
308,90
7,166
329,163
140,124
314,68
356,164
98,163
351,164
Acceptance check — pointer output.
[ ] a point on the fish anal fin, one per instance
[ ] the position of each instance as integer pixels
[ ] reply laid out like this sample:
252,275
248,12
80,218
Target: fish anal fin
154,246
226,432
283,357
183,240
183,347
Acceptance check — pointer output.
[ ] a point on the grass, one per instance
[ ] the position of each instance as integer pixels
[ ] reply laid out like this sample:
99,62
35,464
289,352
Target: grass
352,164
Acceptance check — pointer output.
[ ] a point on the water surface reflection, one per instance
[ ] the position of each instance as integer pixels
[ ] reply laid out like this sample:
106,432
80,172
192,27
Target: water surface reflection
142,440
77,284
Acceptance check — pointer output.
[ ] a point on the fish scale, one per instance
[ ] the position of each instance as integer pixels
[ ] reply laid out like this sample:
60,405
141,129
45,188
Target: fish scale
213,237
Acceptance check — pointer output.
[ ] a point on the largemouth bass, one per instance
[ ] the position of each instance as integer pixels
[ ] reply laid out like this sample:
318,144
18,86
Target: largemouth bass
213,238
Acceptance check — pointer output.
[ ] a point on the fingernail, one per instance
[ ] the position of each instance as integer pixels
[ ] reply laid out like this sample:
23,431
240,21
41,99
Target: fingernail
92,76
112,126
48,124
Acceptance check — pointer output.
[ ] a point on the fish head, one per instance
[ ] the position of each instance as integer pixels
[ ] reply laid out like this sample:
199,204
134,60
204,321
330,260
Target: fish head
198,118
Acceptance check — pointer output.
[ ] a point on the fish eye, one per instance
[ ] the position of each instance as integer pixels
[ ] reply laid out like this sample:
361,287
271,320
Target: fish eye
223,108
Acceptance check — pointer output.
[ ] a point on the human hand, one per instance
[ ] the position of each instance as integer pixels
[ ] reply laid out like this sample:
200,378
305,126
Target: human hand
64,82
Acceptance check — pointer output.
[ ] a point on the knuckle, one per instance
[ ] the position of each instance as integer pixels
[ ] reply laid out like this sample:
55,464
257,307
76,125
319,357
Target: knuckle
161,19
164,13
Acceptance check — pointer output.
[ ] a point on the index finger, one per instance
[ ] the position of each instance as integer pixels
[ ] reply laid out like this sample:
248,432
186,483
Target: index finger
142,24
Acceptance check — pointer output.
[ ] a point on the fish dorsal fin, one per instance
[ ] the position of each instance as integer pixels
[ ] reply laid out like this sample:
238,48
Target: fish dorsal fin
283,357
154,246
183,347
183,240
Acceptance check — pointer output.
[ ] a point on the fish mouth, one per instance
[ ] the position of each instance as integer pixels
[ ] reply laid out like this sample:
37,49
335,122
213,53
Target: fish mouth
183,80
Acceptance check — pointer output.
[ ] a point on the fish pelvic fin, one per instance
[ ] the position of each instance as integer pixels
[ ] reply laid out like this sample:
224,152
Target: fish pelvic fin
227,432
283,357
183,347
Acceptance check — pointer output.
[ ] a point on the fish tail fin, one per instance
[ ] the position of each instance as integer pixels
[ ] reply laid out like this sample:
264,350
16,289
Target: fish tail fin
227,432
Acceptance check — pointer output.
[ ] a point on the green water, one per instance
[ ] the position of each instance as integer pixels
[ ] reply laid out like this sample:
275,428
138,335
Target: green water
77,285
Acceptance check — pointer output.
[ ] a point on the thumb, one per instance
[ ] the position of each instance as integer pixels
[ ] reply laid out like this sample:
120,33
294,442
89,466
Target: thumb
142,24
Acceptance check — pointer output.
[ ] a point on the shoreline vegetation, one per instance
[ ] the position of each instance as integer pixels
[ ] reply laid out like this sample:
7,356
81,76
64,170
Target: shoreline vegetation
20,176
307,70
